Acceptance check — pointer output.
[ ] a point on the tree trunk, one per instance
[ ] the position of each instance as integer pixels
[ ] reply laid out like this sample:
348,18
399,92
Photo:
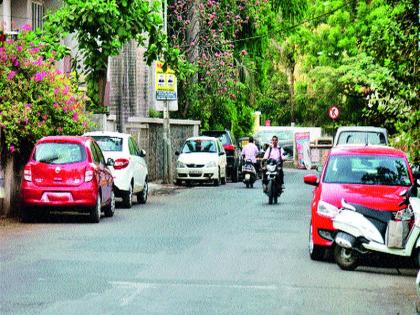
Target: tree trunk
12,178
192,55
292,92
101,86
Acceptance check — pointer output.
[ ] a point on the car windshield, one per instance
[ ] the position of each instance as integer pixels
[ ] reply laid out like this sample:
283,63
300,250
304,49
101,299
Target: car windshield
107,143
221,135
59,153
192,146
361,137
369,170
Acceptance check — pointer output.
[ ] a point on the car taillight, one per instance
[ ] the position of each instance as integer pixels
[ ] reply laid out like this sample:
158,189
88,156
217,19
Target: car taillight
88,175
27,173
121,163
229,147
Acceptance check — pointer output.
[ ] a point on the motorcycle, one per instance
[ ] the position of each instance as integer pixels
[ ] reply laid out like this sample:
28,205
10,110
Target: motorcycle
249,173
362,230
273,190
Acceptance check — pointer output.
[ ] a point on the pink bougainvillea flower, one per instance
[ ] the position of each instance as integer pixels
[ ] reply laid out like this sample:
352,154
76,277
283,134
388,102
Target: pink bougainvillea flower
12,148
34,50
26,121
55,105
84,124
16,63
66,89
28,105
244,52
75,116
56,91
27,27
19,48
39,76
11,75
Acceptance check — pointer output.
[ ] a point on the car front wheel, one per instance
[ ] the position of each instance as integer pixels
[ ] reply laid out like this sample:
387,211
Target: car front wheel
315,252
128,197
110,209
142,196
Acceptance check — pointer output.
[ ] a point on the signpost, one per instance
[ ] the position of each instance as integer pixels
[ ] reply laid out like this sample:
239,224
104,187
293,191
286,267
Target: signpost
333,112
166,90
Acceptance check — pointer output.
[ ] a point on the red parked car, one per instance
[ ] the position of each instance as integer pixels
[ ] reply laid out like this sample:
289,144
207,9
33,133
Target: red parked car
67,173
372,176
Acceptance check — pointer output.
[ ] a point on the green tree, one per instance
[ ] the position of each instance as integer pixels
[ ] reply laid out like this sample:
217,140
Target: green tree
102,27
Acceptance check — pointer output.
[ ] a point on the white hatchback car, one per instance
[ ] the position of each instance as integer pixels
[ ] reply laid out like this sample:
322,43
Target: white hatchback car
130,169
202,159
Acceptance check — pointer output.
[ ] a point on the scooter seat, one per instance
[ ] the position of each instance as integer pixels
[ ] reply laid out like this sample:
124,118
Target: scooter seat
382,216
378,218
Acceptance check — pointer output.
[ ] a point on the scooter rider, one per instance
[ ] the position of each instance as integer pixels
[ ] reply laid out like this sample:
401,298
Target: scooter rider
250,151
276,153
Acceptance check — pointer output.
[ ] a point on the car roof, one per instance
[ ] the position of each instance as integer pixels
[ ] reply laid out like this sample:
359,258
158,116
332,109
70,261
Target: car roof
366,150
74,139
107,134
361,128
203,138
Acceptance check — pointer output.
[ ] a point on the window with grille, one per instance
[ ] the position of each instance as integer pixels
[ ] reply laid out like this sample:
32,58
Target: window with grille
37,14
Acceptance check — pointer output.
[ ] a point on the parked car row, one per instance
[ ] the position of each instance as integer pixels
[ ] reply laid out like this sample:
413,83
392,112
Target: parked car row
84,174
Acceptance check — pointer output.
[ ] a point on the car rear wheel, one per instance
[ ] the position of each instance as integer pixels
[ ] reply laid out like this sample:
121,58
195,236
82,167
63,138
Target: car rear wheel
26,214
110,209
142,196
128,197
235,173
217,180
346,259
315,252
95,212
224,178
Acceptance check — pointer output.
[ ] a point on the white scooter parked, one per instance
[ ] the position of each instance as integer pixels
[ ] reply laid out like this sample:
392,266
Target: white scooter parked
361,230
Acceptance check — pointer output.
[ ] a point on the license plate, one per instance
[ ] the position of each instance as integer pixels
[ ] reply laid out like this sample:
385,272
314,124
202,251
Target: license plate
195,172
56,196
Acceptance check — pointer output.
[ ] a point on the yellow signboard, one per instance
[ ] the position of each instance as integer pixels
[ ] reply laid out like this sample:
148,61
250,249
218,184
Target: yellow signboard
166,84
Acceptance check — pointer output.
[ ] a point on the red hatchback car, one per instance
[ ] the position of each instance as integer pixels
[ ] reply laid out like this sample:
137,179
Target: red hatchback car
67,173
372,176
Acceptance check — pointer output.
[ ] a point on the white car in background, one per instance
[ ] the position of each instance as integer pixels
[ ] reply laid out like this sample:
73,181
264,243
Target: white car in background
130,169
202,159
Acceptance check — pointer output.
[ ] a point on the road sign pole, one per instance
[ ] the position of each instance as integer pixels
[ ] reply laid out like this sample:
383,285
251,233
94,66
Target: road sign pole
167,150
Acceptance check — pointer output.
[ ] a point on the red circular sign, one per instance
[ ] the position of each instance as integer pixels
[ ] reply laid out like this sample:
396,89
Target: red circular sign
333,112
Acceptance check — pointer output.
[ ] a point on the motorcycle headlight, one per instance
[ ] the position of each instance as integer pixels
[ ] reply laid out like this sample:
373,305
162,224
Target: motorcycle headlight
326,209
211,164
179,164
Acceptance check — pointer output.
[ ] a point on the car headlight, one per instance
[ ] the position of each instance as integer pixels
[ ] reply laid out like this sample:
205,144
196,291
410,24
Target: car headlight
179,164
326,209
211,164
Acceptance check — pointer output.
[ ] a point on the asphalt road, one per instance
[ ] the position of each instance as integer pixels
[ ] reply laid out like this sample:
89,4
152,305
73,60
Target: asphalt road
201,250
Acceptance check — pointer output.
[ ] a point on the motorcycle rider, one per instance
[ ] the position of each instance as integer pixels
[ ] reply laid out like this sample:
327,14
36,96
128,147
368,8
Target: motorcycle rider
250,151
276,153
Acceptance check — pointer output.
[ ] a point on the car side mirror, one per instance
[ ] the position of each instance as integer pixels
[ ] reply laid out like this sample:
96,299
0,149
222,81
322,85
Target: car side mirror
222,153
177,153
110,162
311,179
142,153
